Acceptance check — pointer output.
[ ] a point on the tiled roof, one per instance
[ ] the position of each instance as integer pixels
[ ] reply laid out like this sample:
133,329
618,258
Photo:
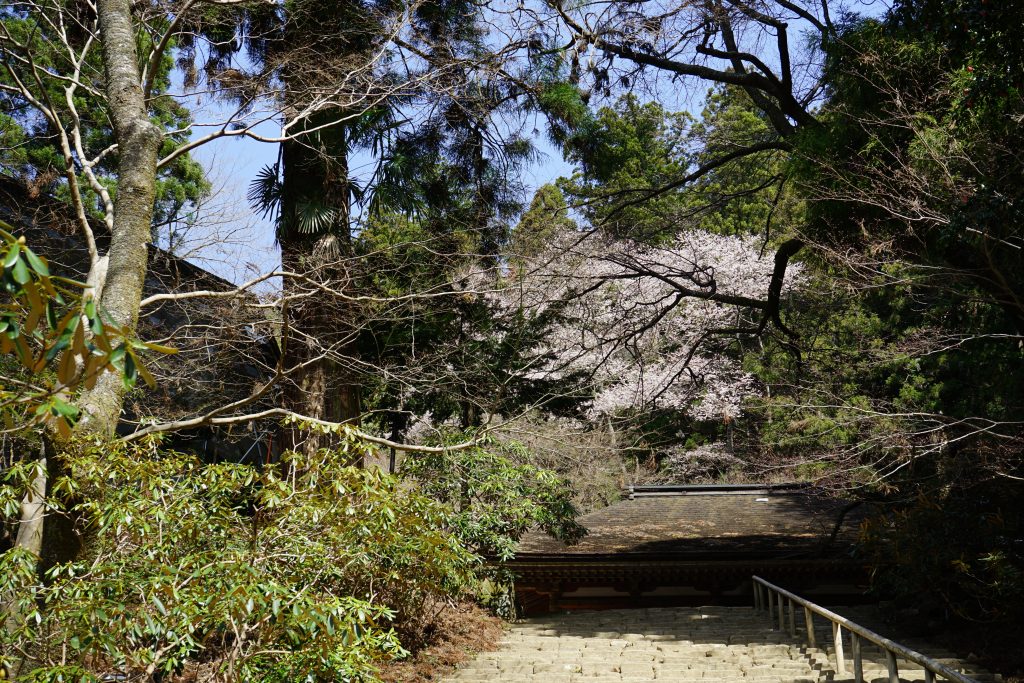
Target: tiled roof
702,521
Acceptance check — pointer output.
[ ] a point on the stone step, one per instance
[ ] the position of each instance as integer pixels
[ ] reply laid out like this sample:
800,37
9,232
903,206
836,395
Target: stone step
675,645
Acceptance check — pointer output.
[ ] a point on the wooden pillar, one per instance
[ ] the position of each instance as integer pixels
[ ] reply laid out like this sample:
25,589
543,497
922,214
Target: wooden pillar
858,659
837,640
809,621
890,662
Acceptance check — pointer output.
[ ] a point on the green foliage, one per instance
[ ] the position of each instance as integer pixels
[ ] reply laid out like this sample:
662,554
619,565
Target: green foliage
42,57
742,196
443,166
404,256
547,217
923,188
959,543
980,44
634,150
454,177
917,136
908,383
634,158
569,118
883,403
468,351
496,496
301,570
53,343
873,368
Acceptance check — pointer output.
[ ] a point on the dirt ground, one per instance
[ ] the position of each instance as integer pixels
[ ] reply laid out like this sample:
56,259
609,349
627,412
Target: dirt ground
460,632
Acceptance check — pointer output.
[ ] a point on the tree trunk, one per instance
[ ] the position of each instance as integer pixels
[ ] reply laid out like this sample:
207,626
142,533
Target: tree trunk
321,328
138,142
29,540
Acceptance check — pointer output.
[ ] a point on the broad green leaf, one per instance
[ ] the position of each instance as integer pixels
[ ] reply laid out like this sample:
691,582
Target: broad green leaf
20,272
37,264
12,255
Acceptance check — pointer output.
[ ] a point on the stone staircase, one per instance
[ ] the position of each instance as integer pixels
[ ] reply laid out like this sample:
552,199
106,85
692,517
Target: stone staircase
728,644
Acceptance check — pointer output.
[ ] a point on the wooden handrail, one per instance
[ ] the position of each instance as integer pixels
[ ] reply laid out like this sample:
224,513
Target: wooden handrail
770,597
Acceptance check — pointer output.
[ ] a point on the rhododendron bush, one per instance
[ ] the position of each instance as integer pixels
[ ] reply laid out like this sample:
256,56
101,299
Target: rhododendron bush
305,569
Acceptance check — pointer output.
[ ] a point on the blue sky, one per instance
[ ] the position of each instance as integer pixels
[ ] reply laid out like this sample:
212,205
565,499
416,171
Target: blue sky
241,158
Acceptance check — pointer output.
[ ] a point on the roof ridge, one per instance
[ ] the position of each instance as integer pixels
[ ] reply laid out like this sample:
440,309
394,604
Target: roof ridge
647,490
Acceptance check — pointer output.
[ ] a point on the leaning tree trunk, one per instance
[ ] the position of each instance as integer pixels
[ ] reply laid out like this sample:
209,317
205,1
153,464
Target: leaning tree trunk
138,140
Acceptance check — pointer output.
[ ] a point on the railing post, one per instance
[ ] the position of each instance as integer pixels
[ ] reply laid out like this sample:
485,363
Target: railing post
929,676
757,596
858,658
792,619
837,641
782,615
771,606
890,662
809,619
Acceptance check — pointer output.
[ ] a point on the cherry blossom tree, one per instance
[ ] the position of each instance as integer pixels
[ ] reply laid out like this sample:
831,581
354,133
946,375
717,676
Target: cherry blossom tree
650,327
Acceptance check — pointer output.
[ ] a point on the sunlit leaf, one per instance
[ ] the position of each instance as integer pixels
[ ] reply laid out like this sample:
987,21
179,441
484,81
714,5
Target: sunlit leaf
12,255
38,264
169,350
20,272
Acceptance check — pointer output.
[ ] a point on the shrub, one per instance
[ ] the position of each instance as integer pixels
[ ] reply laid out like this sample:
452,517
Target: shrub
958,550
495,499
303,570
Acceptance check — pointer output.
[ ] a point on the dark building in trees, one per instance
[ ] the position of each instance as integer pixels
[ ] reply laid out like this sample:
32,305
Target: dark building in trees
224,343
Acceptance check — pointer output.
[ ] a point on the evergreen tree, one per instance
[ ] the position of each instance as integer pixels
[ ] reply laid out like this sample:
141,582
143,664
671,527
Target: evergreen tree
31,148
546,219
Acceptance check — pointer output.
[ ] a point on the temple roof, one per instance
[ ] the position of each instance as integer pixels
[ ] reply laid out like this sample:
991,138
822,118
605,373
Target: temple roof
703,519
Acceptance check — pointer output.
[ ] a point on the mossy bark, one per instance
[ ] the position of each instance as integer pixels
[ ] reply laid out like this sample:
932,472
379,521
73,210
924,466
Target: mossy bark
138,142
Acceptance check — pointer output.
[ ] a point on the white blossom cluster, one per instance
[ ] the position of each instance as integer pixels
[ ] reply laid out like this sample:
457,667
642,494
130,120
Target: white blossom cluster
704,461
637,320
